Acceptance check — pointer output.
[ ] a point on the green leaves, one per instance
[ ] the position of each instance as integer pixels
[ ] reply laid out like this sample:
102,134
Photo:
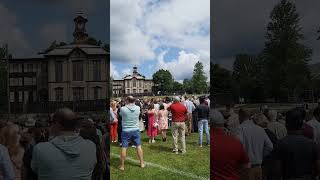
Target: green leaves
163,81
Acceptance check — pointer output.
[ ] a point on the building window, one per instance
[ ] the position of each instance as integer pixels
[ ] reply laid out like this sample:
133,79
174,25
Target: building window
15,81
59,71
134,91
134,83
97,92
20,96
127,83
29,68
96,70
15,67
12,96
28,81
78,94
77,70
59,94
141,85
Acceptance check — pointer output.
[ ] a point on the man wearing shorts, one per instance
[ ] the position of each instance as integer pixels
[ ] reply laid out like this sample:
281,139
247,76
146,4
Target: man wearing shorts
130,130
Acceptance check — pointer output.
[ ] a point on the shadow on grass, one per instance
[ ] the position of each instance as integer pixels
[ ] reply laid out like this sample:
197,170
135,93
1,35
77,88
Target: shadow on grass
160,148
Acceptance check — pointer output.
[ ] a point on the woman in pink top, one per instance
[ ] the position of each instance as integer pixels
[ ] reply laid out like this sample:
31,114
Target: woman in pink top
152,124
163,122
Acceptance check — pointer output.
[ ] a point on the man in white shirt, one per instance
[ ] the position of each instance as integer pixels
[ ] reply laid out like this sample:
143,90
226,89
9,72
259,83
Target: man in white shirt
315,124
190,107
255,141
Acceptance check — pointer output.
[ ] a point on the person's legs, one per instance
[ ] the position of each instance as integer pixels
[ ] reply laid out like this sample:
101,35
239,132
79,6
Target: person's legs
206,130
111,132
200,129
182,128
115,132
175,136
123,155
140,156
137,141
190,123
125,136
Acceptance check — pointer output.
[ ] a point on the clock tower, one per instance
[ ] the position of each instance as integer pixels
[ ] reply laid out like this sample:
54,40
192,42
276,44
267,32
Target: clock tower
80,33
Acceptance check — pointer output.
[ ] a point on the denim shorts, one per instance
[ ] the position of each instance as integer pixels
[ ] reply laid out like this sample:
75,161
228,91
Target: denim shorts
133,136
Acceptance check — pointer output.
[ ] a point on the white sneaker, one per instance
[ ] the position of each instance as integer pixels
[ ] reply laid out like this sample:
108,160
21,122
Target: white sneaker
153,141
149,141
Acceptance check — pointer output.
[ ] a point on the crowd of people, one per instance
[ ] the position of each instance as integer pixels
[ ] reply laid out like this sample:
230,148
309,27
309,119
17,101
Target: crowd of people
66,146
182,114
265,144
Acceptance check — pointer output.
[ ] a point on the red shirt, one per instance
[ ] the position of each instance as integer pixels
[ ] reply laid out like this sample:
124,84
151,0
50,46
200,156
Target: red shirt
307,131
178,111
227,156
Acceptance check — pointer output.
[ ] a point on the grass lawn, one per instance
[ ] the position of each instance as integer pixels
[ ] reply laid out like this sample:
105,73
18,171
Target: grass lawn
161,163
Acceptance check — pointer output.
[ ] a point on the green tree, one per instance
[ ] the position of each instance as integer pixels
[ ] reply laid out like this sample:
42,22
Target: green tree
177,87
220,80
187,86
247,77
199,80
163,81
285,58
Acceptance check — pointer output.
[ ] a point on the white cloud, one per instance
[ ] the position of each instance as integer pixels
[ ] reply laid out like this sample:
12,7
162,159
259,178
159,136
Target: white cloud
126,71
113,71
128,42
10,33
139,27
182,67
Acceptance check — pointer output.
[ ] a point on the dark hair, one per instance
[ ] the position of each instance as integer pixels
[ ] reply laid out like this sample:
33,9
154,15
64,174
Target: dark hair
151,106
316,111
161,107
294,119
202,99
66,118
131,99
244,113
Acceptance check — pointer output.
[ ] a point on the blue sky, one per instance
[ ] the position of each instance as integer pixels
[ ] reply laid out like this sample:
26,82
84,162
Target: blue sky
30,26
153,35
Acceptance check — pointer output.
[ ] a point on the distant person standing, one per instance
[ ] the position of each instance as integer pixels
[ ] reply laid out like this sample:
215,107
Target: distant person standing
232,123
229,159
256,142
163,122
179,115
152,124
274,126
297,157
203,117
130,131
315,124
190,107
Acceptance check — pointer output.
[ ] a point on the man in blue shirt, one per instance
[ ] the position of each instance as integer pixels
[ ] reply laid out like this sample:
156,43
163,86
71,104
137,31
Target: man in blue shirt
130,130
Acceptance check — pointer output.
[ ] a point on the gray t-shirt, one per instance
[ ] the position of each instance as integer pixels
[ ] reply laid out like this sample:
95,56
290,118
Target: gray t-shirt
6,167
